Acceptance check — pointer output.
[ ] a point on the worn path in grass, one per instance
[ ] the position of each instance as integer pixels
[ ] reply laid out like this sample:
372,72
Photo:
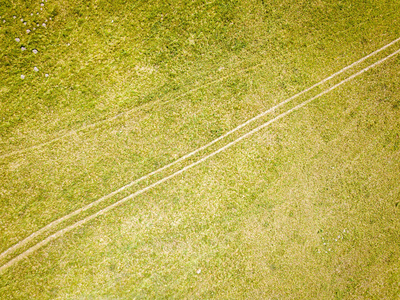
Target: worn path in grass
306,207
297,44
130,197
50,226
39,187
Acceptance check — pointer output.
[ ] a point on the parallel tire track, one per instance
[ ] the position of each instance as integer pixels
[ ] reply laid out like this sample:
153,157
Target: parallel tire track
98,201
125,199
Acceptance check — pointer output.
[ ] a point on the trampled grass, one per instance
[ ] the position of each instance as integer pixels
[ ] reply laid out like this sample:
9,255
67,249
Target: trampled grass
306,208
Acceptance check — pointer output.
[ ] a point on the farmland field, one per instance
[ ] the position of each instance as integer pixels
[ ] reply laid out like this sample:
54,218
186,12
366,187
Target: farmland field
128,170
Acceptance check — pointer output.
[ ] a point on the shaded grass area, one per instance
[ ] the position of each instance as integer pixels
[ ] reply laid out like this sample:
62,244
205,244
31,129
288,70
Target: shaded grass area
286,213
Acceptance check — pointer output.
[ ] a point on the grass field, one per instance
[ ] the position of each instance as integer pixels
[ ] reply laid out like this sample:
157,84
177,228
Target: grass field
305,208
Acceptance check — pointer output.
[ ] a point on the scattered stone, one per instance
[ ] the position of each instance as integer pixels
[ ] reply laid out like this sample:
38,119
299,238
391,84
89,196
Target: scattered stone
28,31
42,4
22,20
22,76
14,17
17,40
46,75
23,48
44,24
25,23
35,69
35,51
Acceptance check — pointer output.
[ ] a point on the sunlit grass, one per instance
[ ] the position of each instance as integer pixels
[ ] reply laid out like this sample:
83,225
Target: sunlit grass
304,209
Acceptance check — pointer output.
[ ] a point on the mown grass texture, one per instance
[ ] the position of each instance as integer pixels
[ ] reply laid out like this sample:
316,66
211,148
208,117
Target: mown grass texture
253,220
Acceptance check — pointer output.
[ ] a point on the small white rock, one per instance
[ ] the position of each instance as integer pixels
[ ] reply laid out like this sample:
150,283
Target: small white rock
25,23
37,24
198,271
50,19
41,8
44,24
42,4
35,69
46,75
34,51
22,20
17,40
22,76
34,28
27,31
23,48
31,14
14,17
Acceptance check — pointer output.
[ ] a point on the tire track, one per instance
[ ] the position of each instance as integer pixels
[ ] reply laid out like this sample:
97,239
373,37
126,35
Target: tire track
125,199
98,201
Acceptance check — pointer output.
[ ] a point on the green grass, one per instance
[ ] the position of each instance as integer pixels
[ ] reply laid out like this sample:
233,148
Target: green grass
254,218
